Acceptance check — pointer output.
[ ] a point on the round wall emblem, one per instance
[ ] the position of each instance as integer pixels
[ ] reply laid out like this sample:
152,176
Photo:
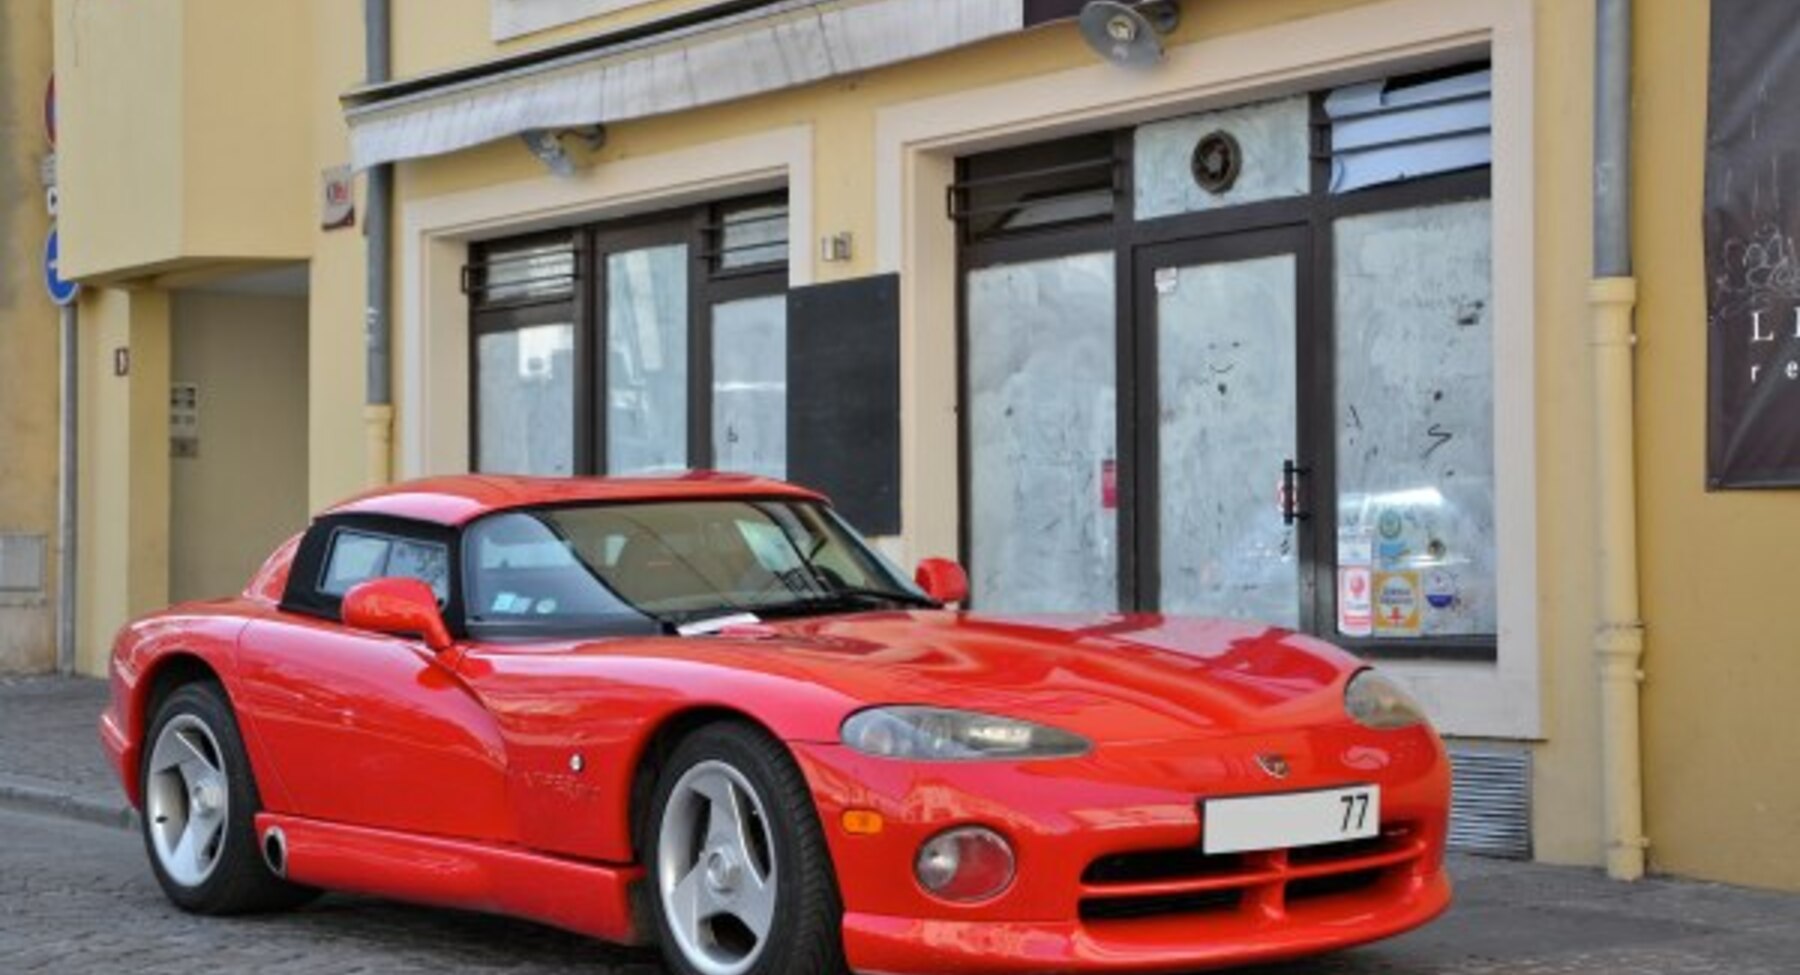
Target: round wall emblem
1218,160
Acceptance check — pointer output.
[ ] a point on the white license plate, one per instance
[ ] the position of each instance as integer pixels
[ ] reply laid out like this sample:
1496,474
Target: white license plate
1271,822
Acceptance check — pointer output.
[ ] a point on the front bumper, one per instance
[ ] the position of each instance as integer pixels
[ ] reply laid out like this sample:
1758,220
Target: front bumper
1110,877
877,944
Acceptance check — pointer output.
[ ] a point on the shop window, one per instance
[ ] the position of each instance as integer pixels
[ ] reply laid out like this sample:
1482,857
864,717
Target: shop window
750,350
527,399
1415,440
1258,385
688,313
1043,434
524,357
647,360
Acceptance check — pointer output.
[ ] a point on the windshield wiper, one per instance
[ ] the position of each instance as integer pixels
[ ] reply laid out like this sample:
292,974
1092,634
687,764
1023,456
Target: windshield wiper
903,598
840,595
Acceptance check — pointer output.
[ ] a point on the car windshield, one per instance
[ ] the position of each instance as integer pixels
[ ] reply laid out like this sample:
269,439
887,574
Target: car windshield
603,567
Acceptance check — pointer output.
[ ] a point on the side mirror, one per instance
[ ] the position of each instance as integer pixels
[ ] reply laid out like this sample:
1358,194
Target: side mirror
400,607
943,580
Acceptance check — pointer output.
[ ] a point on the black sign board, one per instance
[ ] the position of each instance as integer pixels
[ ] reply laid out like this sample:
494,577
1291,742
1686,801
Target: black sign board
1752,268
844,397
1044,11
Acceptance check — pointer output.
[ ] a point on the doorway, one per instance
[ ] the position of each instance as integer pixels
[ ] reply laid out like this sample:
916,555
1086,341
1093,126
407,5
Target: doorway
1198,512
237,427
1222,520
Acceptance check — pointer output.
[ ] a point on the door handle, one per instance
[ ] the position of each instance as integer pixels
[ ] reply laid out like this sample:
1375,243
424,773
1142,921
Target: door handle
1291,473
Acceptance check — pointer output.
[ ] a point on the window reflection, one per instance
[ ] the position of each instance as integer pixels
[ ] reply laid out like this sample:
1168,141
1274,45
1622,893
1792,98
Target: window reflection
1043,435
647,351
526,400
750,386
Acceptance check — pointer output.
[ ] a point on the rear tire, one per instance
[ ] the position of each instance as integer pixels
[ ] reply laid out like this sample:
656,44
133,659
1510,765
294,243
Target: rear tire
200,806
740,880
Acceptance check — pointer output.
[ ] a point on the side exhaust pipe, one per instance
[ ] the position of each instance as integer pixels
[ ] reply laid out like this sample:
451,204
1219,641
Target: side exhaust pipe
274,851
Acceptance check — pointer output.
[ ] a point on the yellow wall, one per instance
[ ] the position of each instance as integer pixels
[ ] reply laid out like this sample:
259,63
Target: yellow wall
124,509
1718,570
251,191
28,333
246,490
119,95
205,99
335,327
1566,767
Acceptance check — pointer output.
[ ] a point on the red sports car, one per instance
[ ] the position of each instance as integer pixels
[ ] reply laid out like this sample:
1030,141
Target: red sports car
701,712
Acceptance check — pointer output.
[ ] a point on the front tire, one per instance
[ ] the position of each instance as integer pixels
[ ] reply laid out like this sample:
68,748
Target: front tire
200,806
740,880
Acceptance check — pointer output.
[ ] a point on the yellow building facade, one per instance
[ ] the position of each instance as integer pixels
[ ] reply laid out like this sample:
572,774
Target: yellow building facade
28,350
1021,227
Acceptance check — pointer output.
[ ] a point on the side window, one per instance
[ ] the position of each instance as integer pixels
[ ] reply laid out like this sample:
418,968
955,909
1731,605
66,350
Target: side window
354,557
357,556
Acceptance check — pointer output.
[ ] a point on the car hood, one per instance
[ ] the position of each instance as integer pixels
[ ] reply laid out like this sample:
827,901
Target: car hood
1110,678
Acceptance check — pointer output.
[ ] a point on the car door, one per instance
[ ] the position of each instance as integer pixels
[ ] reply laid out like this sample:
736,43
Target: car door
367,728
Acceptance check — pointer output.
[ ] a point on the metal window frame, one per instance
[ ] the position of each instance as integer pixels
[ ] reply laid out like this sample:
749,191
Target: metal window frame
482,257
1305,225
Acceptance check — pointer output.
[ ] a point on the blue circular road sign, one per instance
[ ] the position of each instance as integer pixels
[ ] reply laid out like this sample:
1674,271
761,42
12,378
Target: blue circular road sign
62,292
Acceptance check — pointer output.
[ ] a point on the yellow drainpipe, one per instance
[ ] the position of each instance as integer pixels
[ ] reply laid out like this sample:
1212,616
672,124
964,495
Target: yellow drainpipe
1619,638
378,444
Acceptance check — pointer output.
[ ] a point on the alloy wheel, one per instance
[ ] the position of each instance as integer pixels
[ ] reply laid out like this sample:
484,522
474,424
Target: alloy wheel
716,871
187,800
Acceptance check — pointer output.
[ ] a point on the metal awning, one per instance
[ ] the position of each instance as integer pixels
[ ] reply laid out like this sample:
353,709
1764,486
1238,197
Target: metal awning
750,50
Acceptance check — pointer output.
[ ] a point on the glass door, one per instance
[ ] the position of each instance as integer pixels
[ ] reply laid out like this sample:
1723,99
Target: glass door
1223,519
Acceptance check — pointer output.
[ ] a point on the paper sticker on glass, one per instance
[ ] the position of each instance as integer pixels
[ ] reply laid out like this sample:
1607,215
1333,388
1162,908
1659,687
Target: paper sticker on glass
1415,425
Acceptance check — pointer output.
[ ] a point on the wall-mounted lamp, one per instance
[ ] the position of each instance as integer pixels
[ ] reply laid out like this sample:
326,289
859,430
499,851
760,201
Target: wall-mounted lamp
1129,34
562,151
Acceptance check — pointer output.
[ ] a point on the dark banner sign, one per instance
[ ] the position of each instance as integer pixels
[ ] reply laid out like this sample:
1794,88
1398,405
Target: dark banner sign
1044,11
1752,269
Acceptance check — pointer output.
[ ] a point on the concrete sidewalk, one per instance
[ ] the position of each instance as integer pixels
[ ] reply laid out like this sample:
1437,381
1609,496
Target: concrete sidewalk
50,757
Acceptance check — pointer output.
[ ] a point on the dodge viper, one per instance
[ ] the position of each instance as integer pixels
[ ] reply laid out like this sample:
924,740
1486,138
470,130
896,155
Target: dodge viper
700,712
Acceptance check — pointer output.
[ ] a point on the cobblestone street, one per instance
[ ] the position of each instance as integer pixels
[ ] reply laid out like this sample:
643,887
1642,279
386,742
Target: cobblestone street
76,895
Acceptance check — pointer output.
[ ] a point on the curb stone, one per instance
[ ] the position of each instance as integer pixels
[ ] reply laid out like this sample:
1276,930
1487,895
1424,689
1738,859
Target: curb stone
32,795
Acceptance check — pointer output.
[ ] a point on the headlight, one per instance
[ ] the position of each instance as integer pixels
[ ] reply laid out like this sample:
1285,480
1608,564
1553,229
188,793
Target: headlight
944,735
1374,701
